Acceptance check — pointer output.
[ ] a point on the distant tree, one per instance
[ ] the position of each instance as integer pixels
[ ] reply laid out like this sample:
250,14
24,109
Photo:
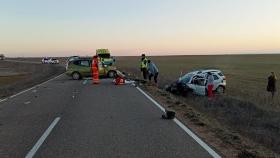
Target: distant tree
2,56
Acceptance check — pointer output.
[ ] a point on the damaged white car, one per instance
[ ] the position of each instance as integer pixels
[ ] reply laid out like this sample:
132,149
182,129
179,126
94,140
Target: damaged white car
196,82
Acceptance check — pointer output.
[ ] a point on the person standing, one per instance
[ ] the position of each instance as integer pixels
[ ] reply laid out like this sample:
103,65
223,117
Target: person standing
95,70
144,66
271,84
152,70
210,84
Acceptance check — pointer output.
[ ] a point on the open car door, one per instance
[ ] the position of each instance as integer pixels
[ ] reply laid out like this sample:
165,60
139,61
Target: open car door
199,84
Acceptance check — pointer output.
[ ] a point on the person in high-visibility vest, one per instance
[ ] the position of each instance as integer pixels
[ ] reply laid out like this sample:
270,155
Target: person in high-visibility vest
95,70
144,66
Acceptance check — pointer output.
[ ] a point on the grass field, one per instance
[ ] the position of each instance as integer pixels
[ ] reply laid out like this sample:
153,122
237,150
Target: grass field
246,108
246,75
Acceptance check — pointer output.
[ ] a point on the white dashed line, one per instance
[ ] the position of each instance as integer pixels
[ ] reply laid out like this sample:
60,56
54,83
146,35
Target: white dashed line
35,148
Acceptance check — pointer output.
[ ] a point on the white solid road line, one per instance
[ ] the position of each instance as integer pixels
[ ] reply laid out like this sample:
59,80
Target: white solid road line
33,151
186,129
30,88
151,99
1,100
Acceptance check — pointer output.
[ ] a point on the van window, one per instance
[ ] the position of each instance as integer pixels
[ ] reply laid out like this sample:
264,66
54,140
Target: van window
84,63
76,62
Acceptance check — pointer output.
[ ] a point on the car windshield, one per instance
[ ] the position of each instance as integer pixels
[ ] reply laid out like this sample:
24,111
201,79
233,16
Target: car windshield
104,55
186,78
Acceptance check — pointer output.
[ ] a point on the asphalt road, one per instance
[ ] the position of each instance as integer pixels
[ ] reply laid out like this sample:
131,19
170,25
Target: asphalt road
90,121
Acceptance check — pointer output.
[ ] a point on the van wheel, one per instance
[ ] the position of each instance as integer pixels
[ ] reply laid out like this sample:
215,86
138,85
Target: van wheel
220,90
76,76
112,74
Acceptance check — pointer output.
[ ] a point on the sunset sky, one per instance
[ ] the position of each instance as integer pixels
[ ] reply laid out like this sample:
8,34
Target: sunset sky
129,27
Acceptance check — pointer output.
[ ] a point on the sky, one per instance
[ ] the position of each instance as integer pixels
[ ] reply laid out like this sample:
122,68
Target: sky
130,27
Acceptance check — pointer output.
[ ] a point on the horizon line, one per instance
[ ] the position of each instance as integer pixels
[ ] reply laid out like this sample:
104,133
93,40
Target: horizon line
224,54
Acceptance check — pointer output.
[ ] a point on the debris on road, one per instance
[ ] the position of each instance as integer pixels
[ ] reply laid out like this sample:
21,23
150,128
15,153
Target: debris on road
169,115
74,93
121,79
27,102
85,82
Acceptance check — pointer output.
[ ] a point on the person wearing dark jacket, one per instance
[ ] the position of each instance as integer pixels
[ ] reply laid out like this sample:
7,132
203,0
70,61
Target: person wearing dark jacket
271,84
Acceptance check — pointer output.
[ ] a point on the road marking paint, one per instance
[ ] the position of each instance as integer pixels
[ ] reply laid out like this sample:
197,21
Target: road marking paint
21,92
2,100
5,99
85,82
151,99
33,151
186,129
27,102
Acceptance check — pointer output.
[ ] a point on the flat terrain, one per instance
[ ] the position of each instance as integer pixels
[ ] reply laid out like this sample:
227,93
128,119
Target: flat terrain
246,75
245,111
91,121
243,122
16,76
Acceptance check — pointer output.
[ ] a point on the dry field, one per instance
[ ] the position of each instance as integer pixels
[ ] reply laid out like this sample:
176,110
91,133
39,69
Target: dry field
246,110
246,74
16,76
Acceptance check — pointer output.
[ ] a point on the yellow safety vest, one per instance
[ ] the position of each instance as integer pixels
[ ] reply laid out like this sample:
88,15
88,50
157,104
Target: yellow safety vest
144,63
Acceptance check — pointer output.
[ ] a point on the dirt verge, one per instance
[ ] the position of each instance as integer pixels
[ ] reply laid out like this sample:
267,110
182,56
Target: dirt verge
216,131
24,75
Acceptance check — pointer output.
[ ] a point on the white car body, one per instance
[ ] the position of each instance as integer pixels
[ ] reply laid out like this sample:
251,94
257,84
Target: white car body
50,61
196,81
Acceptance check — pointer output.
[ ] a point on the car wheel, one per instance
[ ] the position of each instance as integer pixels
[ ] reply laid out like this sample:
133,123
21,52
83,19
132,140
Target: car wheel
76,76
112,74
220,90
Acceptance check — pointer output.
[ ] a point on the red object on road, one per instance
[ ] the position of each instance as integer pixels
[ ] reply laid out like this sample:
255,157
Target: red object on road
119,81
95,71
210,90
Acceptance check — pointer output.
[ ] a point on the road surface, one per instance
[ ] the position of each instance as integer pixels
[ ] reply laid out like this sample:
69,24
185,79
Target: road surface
66,118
